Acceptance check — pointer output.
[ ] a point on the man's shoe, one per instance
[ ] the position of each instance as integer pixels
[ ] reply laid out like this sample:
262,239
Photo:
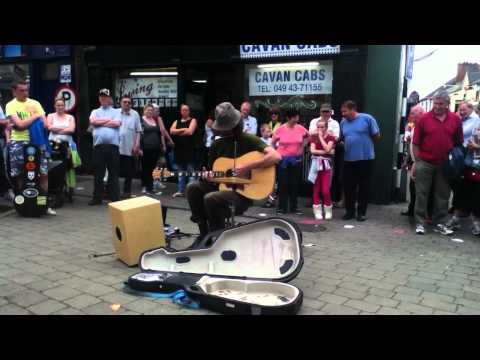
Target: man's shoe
281,212
420,230
178,194
94,202
451,210
361,218
453,223
348,216
50,211
297,212
126,196
407,213
442,229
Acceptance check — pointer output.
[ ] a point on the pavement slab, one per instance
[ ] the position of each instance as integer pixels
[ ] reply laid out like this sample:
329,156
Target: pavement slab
378,267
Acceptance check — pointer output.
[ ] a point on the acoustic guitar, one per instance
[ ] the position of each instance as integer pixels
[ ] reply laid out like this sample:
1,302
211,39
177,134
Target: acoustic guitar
257,184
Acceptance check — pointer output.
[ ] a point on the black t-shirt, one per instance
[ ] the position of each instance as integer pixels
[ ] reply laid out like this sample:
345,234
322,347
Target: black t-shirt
184,150
225,147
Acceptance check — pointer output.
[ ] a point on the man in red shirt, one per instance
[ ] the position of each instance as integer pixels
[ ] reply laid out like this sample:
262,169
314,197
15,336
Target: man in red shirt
437,132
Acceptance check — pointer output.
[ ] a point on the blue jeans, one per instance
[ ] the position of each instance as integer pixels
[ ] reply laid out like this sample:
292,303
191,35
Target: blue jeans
182,180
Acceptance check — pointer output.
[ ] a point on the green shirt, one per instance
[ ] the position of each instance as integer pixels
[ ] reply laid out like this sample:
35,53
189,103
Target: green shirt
224,147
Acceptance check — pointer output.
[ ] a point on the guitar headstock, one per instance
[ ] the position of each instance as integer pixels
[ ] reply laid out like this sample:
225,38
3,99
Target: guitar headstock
159,174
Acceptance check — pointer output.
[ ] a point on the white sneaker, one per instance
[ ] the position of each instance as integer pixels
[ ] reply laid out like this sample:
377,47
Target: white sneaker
144,190
420,230
50,211
328,212
317,212
442,229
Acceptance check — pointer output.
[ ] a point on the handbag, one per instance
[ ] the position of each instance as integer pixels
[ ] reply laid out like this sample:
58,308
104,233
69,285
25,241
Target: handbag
453,167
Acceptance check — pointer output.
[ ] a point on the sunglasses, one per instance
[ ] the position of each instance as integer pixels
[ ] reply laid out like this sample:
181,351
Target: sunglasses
325,111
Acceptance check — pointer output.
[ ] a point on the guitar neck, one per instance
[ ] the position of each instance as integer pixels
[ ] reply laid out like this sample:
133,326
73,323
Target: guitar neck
197,174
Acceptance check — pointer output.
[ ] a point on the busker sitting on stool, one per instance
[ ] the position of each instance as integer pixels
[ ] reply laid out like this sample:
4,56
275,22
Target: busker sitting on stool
210,207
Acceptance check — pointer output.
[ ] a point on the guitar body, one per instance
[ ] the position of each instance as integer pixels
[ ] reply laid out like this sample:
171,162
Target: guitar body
262,180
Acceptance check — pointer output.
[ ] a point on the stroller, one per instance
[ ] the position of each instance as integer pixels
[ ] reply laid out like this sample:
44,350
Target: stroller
57,172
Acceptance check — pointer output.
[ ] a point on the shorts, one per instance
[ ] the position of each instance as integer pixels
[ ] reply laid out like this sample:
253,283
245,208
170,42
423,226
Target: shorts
17,161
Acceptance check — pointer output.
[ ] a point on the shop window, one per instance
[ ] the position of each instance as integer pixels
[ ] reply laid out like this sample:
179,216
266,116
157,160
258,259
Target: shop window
148,86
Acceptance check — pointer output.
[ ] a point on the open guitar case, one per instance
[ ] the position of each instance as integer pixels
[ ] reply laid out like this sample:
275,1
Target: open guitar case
239,270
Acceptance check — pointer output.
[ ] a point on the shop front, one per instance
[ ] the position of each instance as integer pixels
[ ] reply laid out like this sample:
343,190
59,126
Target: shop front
303,76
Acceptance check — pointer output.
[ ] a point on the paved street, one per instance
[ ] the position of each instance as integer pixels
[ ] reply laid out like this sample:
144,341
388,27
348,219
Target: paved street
378,267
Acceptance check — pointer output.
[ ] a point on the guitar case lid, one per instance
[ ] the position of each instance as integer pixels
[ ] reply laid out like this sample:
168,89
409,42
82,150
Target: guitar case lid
263,250
239,270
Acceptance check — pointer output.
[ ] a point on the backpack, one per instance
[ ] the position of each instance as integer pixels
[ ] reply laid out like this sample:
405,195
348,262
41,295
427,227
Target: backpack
454,166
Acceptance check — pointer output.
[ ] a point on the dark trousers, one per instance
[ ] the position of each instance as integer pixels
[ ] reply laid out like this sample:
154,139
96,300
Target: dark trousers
127,171
149,162
106,157
337,175
288,181
466,196
356,181
211,207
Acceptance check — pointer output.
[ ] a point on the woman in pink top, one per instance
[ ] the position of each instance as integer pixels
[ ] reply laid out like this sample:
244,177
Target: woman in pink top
290,140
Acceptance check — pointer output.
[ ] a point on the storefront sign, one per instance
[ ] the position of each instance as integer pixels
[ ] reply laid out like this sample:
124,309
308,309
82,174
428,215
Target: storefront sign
70,97
268,51
148,87
65,74
292,80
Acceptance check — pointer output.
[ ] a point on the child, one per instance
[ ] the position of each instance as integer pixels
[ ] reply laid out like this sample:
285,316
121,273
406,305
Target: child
266,133
321,147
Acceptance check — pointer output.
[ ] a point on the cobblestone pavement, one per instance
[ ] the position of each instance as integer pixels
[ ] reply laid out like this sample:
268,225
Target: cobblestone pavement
378,267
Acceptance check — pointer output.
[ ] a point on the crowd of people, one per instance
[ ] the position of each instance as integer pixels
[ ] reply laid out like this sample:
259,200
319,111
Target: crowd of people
124,141
435,139
340,155
147,137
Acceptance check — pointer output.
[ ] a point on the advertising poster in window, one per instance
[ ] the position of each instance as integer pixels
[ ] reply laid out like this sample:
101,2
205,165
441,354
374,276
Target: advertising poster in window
158,90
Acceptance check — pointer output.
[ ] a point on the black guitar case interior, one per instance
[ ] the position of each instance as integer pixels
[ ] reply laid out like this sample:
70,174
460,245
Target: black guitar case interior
239,270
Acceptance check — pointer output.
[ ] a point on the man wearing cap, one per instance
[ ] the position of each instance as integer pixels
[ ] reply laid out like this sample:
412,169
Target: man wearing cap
326,114
210,207
436,133
106,122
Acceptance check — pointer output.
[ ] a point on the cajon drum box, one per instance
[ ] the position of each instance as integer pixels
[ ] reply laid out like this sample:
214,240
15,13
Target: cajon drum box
137,226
